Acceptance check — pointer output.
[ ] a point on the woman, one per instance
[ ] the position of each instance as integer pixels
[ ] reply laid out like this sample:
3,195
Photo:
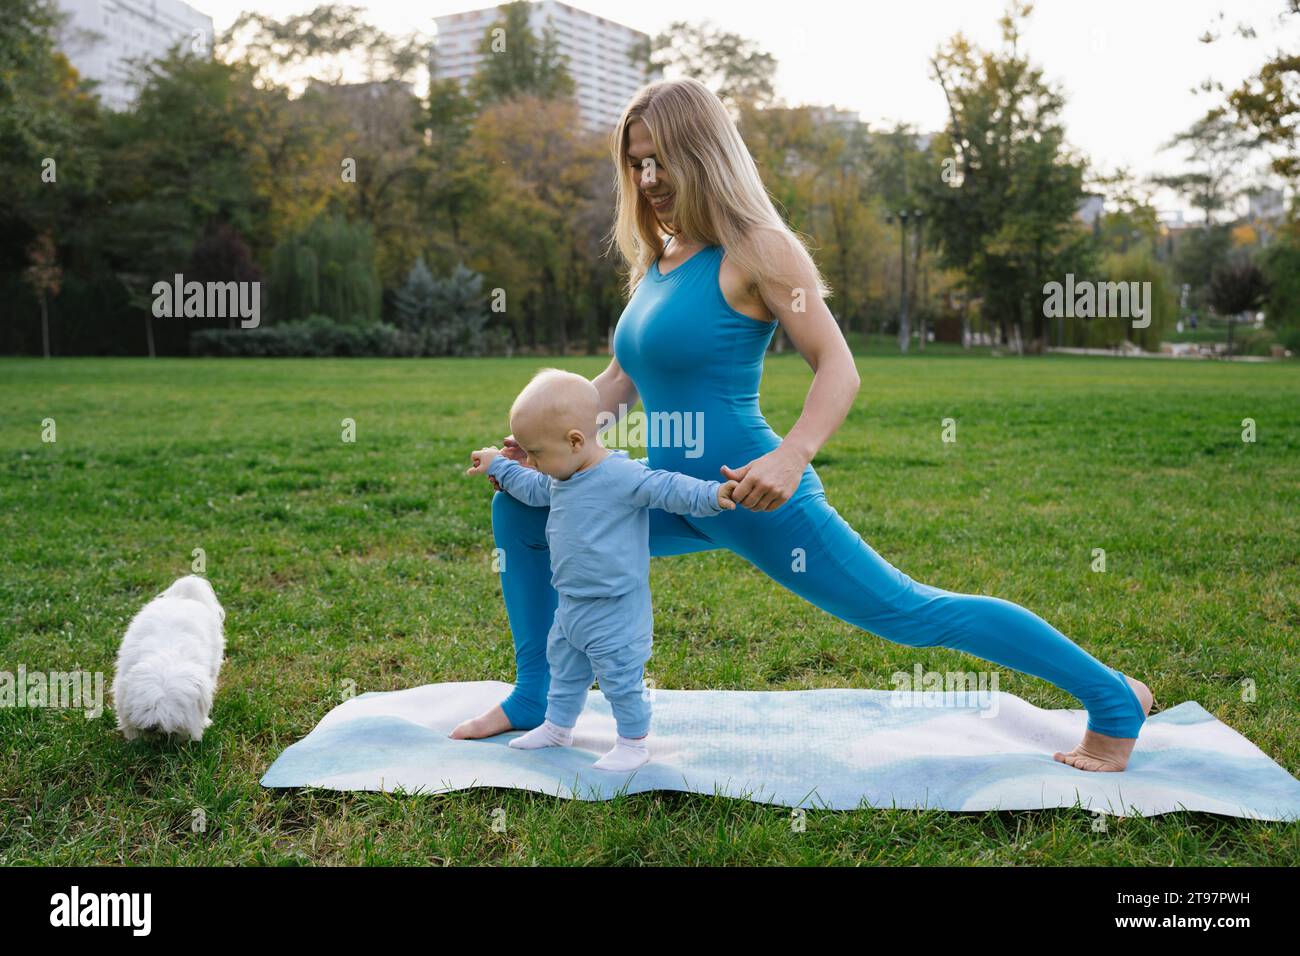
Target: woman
691,341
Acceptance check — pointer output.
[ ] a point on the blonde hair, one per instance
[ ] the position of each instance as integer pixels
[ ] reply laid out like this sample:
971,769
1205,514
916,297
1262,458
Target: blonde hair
718,198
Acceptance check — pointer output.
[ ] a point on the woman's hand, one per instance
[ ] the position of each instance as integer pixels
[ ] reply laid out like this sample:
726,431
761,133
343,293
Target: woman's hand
768,482
512,451
510,448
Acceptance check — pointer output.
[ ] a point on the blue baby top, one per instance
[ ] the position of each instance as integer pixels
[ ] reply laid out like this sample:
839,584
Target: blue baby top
598,529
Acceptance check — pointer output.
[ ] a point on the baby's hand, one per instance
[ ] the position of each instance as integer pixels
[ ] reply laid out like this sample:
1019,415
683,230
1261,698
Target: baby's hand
724,494
482,459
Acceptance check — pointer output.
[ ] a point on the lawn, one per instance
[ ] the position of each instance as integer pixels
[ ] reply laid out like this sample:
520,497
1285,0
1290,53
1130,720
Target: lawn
367,565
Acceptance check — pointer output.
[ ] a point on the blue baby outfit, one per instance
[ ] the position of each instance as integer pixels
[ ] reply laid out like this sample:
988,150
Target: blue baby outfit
598,534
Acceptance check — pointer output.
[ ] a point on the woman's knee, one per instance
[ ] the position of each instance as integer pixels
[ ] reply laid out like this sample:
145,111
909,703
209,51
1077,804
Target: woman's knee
512,519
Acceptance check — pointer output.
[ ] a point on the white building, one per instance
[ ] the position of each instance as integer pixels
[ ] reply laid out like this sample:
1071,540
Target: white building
597,50
101,36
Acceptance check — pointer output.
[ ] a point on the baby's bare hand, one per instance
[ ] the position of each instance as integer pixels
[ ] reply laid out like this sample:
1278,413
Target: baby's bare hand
724,494
482,460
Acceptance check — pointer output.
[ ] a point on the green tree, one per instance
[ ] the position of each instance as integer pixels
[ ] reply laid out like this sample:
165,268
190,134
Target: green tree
327,269
459,314
50,164
516,62
547,207
1198,254
1268,104
727,63
376,128
1237,289
1006,219
1217,150
457,183
1281,264
414,300
317,41
1133,220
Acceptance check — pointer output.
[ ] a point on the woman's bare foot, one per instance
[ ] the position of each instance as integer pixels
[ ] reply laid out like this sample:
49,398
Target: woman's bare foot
490,724
1099,752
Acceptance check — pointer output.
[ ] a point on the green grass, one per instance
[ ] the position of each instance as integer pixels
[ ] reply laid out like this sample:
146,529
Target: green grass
370,562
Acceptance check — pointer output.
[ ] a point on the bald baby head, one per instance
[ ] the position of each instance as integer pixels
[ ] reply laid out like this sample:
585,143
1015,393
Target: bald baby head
554,419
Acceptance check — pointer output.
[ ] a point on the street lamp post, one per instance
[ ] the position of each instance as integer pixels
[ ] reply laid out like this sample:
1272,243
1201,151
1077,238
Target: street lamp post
904,319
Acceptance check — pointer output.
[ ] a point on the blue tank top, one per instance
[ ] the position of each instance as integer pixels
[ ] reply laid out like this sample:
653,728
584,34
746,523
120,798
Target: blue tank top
697,364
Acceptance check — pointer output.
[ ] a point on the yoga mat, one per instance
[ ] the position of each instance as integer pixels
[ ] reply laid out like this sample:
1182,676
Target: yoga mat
838,749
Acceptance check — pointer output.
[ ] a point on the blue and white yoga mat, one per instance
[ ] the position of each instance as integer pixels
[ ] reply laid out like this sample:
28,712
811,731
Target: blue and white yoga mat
832,749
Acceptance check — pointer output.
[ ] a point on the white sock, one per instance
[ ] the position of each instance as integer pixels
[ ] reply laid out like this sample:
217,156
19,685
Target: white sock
628,754
547,735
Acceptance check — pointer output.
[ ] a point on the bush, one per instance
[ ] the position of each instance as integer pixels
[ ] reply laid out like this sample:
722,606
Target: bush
1290,338
1281,264
313,337
1136,265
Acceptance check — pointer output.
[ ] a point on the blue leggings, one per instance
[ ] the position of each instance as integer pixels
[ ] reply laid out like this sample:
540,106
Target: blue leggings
806,546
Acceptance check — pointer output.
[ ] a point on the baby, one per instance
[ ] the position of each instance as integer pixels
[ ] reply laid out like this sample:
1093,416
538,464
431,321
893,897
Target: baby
598,531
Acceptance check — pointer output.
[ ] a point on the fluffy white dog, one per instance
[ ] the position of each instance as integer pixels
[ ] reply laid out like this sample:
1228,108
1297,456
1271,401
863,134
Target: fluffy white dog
168,663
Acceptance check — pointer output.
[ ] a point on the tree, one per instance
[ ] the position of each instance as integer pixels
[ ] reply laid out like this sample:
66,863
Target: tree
900,164
44,276
1268,104
456,185
375,128
517,63
1133,220
1218,148
327,269
460,316
382,162
727,63
311,43
49,161
1198,254
222,255
1281,265
1237,288
1007,218
413,302
845,217
548,204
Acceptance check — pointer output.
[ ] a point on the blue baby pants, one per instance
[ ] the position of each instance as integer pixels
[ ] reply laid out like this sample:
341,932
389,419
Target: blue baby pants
608,638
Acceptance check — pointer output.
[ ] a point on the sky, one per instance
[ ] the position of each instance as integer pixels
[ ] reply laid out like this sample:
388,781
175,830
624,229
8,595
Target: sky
1127,67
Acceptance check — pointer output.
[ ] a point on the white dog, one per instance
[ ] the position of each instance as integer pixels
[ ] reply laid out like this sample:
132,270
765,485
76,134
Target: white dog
168,663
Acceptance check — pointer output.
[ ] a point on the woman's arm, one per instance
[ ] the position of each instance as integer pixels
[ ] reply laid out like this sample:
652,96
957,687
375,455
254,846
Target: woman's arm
768,482
615,388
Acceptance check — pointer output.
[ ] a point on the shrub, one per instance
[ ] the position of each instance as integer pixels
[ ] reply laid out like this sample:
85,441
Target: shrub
315,336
